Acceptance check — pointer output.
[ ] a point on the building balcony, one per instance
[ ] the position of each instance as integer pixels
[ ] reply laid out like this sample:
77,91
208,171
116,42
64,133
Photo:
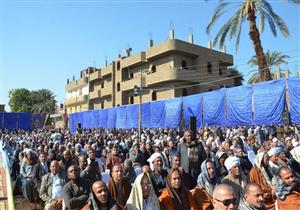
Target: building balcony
82,81
133,60
107,90
106,71
95,94
129,84
76,100
170,75
70,101
73,85
82,99
95,76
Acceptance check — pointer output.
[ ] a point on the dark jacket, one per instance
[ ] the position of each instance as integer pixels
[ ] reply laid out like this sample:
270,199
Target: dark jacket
159,183
38,172
76,194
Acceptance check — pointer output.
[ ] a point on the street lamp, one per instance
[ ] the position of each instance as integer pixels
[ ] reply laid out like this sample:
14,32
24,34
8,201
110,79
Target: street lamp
137,91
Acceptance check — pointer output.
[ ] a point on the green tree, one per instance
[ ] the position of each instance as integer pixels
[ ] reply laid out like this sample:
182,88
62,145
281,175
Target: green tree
23,100
20,100
43,100
248,10
274,60
237,76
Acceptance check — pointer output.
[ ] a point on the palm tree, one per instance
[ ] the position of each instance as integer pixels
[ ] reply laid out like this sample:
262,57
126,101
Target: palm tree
43,101
248,10
274,59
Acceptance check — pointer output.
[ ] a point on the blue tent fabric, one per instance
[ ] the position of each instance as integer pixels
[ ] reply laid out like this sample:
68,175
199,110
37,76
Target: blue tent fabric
192,106
132,112
37,121
103,118
94,118
1,120
214,108
87,122
239,105
72,122
80,119
146,115
233,106
121,117
173,112
10,120
294,96
268,100
24,120
111,118
157,114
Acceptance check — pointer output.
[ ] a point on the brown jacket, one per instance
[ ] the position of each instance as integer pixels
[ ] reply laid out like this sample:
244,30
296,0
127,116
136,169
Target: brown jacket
126,189
167,203
203,200
255,176
291,202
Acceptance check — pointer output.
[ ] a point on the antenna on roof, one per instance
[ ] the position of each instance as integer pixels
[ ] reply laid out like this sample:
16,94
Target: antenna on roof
150,43
171,30
191,37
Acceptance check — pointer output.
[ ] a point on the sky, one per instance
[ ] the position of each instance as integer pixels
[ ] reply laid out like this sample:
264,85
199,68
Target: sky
43,43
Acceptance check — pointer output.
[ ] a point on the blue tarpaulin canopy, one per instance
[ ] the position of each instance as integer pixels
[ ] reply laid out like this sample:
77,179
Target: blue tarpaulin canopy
294,96
269,98
192,106
173,112
213,108
158,114
239,109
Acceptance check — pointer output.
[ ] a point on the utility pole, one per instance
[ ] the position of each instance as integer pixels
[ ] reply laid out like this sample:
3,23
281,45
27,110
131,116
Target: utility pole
138,91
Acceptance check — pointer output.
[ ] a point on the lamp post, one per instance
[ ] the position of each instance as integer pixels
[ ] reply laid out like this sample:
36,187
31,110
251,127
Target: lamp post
137,91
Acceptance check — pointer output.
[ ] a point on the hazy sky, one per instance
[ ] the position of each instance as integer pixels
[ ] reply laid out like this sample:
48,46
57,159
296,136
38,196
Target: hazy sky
43,43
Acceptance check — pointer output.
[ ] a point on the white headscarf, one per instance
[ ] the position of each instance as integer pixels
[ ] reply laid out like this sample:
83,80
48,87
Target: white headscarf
153,157
231,161
296,153
136,200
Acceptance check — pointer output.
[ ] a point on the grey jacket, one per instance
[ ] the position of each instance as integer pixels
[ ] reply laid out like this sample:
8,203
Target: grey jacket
46,186
245,206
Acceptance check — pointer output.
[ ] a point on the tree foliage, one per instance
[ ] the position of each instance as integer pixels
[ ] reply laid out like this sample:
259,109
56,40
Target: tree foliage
37,101
237,76
20,100
274,60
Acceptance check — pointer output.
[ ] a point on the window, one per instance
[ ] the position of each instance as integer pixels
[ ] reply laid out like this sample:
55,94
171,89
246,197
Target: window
209,70
118,87
153,69
131,100
184,92
102,85
131,76
221,66
102,105
118,65
154,96
183,65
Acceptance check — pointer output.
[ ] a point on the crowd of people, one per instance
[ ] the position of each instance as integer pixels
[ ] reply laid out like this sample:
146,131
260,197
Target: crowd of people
245,168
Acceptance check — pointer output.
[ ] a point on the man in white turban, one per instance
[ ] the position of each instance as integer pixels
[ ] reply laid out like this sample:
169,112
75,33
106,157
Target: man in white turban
235,177
273,162
158,175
